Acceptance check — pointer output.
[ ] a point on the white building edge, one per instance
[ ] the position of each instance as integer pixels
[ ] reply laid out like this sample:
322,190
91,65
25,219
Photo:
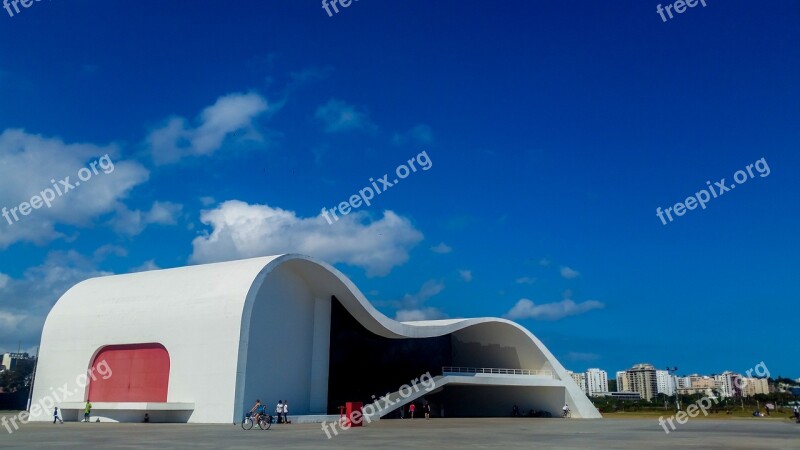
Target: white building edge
200,343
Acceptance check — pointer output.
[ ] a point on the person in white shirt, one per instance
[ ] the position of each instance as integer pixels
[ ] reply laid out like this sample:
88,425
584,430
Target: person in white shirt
279,411
286,411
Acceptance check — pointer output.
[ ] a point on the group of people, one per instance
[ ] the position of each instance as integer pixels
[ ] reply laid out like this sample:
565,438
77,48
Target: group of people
281,411
412,408
87,412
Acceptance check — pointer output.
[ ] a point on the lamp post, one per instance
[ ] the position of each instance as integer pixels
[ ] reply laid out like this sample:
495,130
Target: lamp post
33,380
672,371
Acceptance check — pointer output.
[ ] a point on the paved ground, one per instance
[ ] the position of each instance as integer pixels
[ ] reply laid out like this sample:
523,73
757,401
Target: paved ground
433,434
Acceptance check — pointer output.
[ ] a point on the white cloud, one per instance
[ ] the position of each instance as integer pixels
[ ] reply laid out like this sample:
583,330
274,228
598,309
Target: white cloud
4,279
465,275
25,302
148,265
164,213
526,309
110,249
525,280
10,320
569,273
420,134
241,230
428,290
230,114
441,248
410,315
412,307
132,222
337,116
29,162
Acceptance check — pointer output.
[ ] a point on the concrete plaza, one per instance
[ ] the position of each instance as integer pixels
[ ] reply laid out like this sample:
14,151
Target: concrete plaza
435,433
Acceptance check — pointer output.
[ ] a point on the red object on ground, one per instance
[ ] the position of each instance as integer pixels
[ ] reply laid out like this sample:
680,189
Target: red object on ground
130,373
349,420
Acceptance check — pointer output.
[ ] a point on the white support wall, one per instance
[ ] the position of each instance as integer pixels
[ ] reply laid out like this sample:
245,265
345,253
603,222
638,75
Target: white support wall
320,356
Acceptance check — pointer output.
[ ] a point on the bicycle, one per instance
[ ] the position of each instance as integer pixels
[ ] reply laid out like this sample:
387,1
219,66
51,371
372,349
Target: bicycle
566,414
264,421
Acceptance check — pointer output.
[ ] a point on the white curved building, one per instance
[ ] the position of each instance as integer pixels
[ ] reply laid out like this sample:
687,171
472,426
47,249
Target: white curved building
201,343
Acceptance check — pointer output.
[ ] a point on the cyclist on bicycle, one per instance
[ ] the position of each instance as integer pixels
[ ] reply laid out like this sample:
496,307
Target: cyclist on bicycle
565,410
258,408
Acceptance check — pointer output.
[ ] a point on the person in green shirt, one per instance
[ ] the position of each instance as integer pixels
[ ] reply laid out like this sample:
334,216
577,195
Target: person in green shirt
87,411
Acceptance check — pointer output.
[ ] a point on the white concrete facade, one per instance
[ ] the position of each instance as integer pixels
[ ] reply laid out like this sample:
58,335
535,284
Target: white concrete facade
266,321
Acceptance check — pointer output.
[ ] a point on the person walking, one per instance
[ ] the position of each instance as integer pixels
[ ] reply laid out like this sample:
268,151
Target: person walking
87,411
286,411
426,408
279,411
55,416
411,410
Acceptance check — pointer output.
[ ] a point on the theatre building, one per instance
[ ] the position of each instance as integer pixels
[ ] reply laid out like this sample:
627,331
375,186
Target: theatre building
201,343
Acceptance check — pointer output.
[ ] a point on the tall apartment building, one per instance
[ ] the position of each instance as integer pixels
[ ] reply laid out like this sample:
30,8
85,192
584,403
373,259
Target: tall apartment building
703,382
596,381
580,379
641,378
728,384
753,386
699,385
622,382
8,361
665,383
683,382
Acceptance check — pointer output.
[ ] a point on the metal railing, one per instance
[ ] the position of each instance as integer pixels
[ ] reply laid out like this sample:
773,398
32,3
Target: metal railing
494,370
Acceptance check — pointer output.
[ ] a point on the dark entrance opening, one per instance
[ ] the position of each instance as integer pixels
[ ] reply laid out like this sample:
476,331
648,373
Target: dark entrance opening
363,364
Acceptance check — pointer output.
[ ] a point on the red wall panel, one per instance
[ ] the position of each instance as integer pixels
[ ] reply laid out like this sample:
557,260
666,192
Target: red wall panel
139,373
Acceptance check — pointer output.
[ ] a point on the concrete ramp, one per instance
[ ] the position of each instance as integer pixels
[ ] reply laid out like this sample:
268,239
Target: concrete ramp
395,400
390,403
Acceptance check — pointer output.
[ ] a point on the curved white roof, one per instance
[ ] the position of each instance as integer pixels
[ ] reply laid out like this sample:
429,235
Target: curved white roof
212,304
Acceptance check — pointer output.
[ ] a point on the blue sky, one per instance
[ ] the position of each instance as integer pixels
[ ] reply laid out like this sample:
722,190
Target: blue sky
554,130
